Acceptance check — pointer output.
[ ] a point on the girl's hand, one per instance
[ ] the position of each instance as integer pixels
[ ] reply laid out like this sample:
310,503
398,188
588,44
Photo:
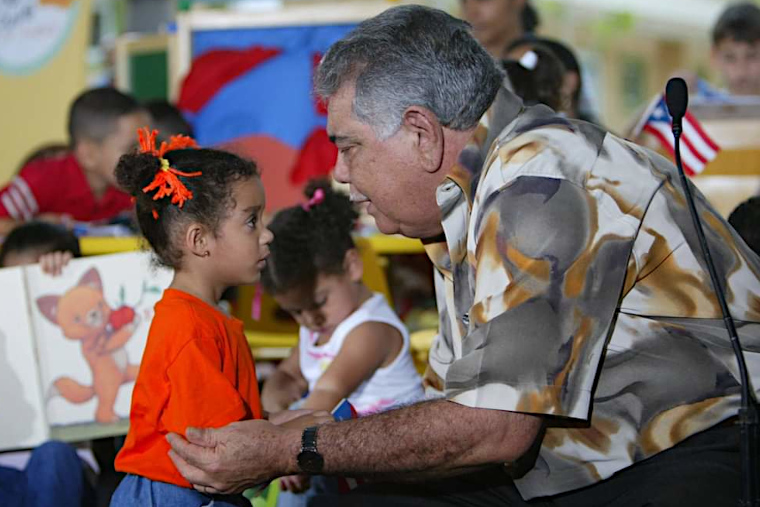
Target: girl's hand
295,483
54,262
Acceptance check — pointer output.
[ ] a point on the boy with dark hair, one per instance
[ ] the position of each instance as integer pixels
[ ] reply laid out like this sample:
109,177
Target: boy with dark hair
168,120
31,242
736,48
80,186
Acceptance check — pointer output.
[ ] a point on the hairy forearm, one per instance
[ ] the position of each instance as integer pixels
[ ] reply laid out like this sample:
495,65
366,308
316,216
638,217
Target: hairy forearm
431,439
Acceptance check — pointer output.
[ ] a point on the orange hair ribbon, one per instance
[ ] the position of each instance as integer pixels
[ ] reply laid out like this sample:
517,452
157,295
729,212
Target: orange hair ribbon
166,181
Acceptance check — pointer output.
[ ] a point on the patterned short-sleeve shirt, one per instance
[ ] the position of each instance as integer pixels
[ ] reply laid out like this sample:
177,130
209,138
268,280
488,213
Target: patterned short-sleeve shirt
571,284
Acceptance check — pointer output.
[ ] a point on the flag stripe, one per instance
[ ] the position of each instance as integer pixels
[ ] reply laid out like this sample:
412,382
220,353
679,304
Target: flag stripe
686,140
698,127
697,149
691,165
698,142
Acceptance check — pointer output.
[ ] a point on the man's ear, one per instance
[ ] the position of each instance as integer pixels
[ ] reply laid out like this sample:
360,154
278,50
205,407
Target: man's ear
353,265
87,153
198,240
428,132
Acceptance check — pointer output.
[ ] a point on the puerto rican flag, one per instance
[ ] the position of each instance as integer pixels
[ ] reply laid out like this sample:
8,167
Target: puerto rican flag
697,148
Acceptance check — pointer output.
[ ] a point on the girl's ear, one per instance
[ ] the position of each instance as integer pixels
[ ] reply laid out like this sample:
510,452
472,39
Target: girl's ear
353,265
198,240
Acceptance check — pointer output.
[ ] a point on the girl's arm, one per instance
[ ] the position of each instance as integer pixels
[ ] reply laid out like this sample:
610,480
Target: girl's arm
285,386
368,347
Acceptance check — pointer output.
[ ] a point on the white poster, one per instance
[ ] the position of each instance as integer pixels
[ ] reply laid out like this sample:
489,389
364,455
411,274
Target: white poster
33,31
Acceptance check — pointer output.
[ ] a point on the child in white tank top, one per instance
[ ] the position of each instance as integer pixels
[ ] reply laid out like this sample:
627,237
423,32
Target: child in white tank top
351,344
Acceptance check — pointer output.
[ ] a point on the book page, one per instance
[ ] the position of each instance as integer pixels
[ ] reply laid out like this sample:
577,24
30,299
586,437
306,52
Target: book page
22,413
91,324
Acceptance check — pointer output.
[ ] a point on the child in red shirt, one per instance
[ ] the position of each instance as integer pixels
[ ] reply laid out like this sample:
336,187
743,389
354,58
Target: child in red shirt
201,211
79,185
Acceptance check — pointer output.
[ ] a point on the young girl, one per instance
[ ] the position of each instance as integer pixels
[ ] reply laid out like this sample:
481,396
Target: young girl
536,77
351,344
200,210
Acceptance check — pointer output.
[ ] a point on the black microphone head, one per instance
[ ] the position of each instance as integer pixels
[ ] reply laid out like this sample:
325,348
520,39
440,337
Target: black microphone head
677,98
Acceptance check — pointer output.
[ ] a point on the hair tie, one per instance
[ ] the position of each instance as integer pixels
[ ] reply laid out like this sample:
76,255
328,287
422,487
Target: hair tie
317,198
529,60
166,182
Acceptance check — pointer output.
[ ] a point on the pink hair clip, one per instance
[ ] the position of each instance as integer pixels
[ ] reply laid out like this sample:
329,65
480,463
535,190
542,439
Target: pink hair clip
317,198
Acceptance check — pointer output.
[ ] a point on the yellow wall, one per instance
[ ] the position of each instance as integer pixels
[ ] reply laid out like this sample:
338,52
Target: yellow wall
34,107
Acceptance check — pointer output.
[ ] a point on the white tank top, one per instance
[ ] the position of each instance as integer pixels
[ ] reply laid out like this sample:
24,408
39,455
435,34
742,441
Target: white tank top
396,384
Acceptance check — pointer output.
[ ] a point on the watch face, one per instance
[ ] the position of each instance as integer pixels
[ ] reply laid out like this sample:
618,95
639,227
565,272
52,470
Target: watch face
310,461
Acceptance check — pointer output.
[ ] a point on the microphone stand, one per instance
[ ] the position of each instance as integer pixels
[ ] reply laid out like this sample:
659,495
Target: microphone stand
748,413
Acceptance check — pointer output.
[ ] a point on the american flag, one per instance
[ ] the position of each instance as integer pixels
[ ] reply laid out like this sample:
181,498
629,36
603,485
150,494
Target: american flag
697,148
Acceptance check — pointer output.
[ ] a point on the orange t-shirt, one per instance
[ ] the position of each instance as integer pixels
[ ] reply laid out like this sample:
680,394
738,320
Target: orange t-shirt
197,370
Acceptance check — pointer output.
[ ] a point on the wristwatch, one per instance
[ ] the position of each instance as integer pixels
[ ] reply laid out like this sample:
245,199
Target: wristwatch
309,459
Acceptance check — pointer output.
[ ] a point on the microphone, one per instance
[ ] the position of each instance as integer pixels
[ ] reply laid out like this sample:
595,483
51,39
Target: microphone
677,100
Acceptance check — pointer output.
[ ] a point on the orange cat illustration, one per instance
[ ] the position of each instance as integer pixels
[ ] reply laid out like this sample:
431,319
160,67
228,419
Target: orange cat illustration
83,314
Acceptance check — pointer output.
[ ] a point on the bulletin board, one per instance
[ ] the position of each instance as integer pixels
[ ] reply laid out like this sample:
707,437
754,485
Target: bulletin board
142,65
244,81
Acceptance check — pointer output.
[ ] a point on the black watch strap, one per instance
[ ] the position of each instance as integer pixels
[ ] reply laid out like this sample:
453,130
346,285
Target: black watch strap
309,439
309,459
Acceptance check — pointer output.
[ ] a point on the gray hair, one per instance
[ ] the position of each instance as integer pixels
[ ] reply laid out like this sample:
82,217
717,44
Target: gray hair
412,56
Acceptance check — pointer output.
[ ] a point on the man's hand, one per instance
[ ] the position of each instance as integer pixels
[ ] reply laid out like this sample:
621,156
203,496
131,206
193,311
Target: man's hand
236,457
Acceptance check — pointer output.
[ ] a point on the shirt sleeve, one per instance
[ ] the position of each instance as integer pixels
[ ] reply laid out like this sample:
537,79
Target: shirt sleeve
548,272
199,393
19,199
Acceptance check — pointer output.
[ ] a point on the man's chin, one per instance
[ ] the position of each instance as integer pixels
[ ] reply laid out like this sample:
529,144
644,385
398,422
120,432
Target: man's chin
387,227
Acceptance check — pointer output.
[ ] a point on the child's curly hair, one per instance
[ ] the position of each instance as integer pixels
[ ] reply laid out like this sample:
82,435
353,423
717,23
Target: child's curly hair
309,240
161,221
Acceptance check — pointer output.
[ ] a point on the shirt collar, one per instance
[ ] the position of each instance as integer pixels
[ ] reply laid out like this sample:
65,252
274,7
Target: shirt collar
456,192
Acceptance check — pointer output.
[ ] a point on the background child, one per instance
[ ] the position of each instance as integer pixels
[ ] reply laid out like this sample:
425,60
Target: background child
80,186
50,245
536,77
167,119
200,210
746,220
351,343
736,48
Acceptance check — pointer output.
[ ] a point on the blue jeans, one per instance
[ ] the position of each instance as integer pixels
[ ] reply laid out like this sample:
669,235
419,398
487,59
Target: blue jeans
136,491
53,476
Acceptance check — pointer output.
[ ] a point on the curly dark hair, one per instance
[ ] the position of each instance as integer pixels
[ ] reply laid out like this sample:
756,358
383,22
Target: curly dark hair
746,220
212,194
309,242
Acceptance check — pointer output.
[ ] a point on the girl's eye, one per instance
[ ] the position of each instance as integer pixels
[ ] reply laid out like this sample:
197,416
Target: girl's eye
252,222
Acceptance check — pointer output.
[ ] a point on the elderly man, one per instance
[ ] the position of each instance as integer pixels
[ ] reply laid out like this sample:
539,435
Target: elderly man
581,357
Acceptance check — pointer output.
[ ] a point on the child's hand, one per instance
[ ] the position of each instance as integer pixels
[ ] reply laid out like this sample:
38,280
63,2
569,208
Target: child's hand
295,483
53,263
